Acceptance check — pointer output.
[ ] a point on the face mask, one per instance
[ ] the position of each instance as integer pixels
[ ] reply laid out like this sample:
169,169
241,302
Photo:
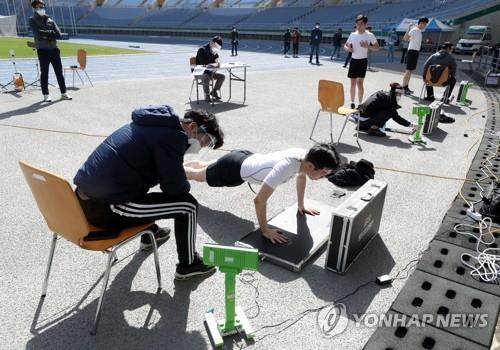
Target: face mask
194,146
317,27
40,12
398,98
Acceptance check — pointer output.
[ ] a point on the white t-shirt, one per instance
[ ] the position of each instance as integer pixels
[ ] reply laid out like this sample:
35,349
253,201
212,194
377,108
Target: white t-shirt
273,169
355,39
415,39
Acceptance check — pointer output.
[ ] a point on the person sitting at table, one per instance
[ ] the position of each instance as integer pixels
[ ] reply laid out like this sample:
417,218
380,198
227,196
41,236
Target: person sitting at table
268,170
208,55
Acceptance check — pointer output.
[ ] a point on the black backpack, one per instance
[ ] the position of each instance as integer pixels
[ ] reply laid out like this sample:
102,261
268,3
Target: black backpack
353,174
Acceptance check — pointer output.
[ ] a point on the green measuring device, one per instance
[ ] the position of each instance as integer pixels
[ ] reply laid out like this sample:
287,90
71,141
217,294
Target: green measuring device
420,111
463,96
230,261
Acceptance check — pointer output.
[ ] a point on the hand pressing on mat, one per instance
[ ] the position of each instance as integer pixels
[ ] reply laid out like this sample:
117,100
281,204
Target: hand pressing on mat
309,211
274,235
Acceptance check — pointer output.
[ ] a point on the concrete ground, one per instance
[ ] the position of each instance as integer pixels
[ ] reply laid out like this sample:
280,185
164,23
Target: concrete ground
279,112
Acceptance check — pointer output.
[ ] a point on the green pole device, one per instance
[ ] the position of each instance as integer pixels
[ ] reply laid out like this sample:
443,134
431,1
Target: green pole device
463,98
231,261
421,112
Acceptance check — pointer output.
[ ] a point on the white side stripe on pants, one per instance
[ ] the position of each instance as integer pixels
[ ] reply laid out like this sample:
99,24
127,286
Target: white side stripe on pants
152,210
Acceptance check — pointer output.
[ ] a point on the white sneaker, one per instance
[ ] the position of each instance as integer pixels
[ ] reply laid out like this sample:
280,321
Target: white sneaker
46,98
66,97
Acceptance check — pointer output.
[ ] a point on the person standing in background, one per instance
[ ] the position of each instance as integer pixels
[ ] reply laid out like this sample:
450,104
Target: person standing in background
414,36
287,37
314,42
349,55
296,41
337,42
392,38
46,32
234,41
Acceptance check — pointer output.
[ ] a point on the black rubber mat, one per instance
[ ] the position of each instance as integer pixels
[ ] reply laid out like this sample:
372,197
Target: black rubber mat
413,337
429,296
443,260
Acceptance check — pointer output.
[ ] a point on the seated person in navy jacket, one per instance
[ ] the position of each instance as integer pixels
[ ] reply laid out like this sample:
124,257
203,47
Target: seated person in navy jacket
113,184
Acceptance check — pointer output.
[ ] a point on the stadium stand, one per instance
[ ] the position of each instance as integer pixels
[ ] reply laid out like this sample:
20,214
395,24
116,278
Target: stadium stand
111,17
220,18
247,14
170,17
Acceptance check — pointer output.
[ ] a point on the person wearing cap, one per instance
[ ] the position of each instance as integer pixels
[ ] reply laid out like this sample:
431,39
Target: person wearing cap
269,171
379,108
442,58
114,182
296,35
414,36
46,32
209,55
359,43
314,42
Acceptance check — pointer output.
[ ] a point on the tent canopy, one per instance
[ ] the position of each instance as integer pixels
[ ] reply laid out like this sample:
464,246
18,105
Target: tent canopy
436,26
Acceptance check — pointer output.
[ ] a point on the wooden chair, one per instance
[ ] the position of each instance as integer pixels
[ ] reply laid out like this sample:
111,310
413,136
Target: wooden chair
441,82
64,216
81,58
331,99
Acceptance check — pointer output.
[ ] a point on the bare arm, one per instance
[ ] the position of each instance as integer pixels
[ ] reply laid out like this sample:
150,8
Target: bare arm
301,189
260,202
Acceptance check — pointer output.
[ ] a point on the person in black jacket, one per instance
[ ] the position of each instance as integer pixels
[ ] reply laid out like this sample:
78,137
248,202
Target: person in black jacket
379,108
337,43
45,32
208,55
234,41
113,184
314,41
287,37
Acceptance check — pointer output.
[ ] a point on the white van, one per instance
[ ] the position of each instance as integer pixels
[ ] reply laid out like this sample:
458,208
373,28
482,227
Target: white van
473,39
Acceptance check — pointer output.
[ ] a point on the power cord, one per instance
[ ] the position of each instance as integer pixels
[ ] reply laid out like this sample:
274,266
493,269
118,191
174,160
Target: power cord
250,279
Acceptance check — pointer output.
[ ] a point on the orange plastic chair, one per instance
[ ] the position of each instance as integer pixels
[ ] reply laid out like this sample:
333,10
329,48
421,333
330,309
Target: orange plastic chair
64,216
331,99
81,57
443,79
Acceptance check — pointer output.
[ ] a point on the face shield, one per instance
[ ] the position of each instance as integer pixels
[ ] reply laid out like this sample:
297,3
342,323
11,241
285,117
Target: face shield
201,143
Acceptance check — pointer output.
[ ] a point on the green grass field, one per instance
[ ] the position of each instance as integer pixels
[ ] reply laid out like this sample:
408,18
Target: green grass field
67,49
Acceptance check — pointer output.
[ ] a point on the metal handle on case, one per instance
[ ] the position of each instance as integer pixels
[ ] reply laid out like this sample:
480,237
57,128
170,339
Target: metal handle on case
368,197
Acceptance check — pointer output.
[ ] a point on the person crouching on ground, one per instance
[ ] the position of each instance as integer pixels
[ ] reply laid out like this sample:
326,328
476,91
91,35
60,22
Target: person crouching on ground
379,108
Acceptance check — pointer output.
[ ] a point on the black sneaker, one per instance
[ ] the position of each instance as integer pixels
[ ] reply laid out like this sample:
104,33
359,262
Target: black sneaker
430,98
161,234
197,268
407,90
215,95
376,132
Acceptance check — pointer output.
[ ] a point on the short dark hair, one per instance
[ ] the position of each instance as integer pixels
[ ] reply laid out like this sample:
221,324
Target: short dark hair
423,19
209,123
361,18
35,3
323,155
317,23
217,39
446,45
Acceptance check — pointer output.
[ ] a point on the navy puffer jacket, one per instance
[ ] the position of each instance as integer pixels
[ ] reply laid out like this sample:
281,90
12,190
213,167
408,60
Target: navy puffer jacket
148,151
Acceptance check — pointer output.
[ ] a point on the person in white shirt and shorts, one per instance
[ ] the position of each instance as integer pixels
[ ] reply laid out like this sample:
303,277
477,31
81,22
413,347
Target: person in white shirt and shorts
269,171
358,43
414,36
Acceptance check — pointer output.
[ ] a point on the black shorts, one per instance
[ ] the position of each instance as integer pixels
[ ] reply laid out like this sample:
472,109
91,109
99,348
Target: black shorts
411,59
357,68
226,171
